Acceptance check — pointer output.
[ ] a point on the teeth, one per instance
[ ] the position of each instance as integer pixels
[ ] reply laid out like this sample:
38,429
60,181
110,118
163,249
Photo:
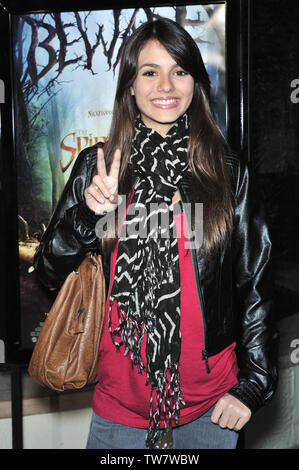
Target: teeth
172,101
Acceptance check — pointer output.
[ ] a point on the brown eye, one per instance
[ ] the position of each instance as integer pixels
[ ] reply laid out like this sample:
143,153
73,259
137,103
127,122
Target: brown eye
181,73
149,73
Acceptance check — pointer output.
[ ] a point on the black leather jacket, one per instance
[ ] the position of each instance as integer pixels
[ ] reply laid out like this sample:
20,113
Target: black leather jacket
233,284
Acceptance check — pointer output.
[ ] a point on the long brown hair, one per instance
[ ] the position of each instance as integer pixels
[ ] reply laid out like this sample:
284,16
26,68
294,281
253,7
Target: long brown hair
211,184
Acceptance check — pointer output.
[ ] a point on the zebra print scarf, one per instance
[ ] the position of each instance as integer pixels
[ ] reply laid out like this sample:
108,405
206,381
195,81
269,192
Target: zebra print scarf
147,277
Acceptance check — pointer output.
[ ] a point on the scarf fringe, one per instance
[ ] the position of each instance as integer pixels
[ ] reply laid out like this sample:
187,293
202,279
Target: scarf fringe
166,392
130,335
169,397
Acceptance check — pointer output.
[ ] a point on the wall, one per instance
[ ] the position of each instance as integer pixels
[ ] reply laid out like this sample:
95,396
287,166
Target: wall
60,430
50,420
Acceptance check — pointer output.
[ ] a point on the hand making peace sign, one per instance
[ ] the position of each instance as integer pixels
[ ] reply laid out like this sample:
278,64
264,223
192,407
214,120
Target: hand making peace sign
101,196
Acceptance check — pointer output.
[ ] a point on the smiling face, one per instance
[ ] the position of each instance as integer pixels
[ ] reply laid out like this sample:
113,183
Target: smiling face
163,90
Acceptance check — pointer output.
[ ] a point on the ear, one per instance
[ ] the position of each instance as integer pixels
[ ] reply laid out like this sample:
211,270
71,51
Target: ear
132,91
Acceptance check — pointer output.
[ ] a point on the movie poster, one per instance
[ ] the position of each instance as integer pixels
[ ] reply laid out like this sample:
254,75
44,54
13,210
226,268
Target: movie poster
65,72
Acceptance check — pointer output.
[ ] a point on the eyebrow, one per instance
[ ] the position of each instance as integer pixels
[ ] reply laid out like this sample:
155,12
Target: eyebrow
155,66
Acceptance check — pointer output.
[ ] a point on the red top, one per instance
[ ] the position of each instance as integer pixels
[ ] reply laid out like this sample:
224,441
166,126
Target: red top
121,394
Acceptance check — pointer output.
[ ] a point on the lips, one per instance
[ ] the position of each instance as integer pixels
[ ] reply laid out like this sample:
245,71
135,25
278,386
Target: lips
165,103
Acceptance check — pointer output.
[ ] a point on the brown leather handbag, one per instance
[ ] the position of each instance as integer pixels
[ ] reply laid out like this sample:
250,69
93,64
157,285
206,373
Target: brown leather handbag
66,353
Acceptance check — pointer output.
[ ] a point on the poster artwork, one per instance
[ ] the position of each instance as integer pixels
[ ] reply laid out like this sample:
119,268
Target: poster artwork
66,68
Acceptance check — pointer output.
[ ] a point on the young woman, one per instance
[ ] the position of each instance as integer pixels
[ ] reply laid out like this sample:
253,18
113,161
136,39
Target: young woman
188,350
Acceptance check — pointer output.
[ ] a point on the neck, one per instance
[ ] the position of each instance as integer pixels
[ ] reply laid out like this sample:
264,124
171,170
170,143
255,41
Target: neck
161,128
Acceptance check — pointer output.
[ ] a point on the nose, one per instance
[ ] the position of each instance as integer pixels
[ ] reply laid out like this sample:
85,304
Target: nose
165,83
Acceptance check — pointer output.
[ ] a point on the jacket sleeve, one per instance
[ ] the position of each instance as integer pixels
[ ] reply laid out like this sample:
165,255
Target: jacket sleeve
257,335
71,230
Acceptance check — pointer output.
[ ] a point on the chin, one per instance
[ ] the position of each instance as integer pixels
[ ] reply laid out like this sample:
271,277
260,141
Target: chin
167,119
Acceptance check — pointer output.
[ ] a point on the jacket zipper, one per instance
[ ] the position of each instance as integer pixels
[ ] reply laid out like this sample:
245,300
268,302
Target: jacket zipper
204,353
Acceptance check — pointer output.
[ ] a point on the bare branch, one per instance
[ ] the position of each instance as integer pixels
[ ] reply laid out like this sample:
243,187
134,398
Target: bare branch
32,67
90,50
151,15
62,41
49,48
131,26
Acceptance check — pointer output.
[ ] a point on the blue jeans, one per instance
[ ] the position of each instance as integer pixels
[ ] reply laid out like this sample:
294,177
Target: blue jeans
198,434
